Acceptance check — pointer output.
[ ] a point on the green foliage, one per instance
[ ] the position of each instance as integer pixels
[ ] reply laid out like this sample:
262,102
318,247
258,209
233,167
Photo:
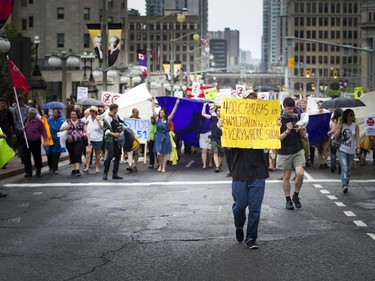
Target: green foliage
10,30
333,93
6,90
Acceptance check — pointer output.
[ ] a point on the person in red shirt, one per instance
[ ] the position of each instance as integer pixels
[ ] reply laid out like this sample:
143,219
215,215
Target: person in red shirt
34,131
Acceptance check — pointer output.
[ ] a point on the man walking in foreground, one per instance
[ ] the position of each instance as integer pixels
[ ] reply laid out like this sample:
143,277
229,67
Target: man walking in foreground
249,173
291,155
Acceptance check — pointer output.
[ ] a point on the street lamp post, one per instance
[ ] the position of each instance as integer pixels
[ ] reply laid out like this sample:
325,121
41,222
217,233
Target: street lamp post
130,79
173,53
63,59
180,19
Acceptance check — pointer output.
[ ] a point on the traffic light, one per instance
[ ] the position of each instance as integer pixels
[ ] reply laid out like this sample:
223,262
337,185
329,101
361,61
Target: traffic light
308,72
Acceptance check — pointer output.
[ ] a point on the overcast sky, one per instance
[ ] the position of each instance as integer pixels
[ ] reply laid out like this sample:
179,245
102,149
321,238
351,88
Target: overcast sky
243,15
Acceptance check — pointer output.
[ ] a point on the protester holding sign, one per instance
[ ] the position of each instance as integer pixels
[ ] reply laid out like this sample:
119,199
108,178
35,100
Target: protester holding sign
249,173
291,155
133,156
163,145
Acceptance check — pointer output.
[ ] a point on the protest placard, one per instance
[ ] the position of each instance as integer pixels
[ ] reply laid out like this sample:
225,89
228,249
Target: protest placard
370,126
141,127
250,123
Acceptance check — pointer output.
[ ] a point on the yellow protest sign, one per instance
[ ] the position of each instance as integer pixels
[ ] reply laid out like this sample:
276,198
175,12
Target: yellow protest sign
358,92
6,153
250,123
210,94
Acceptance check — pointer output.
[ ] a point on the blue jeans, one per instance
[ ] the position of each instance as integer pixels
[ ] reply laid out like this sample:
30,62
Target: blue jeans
248,194
346,161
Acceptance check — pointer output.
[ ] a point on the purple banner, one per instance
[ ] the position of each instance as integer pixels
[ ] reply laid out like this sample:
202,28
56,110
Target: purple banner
318,128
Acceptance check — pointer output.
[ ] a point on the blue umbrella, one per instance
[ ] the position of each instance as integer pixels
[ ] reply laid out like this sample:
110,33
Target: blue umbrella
53,105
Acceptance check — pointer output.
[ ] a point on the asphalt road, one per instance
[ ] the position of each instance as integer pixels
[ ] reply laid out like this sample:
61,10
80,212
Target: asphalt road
179,226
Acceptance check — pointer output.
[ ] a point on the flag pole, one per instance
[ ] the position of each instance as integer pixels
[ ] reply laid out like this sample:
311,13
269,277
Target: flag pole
19,112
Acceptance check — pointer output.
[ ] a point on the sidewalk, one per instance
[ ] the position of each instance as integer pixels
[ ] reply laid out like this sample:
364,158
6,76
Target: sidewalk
15,167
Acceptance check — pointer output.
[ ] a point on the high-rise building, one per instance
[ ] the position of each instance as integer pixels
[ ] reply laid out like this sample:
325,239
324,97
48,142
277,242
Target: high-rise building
194,8
266,35
316,60
233,44
321,29
218,47
274,30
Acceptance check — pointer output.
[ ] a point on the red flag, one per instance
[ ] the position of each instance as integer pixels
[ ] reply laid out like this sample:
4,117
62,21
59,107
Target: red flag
19,81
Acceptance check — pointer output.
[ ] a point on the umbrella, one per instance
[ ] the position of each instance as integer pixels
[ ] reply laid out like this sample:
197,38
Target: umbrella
342,102
53,105
89,102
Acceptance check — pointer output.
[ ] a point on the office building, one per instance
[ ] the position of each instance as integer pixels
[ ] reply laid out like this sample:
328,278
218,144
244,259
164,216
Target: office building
194,8
233,44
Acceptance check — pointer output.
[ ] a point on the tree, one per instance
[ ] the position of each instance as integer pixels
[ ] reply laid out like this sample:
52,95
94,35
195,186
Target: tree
6,90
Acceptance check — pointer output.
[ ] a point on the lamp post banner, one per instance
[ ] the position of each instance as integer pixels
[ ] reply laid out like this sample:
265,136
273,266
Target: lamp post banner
6,7
114,40
177,70
142,61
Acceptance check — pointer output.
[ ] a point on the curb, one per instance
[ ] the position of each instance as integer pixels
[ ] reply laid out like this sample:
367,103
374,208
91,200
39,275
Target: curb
21,169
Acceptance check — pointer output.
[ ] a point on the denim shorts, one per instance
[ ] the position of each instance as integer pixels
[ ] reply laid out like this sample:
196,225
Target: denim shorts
96,144
291,161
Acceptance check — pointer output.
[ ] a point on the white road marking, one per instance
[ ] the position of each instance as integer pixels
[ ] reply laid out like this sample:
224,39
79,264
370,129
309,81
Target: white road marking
189,164
332,197
360,223
324,191
14,220
349,214
372,235
24,205
340,204
317,185
38,193
109,183
307,176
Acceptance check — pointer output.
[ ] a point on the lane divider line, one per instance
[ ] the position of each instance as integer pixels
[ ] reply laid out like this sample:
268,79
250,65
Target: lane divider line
189,164
372,235
317,185
360,223
332,197
349,214
38,193
340,204
324,191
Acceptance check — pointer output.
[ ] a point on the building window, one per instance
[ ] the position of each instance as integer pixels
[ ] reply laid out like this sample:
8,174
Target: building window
110,3
24,24
86,40
24,3
110,19
31,22
31,2
60,40
60,13
122,4
86,13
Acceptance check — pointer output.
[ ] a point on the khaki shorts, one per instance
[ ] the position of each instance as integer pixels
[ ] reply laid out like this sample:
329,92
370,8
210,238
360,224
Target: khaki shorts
217,149
291,161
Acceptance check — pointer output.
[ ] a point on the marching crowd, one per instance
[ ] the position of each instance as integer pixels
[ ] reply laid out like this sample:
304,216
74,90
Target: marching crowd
91,133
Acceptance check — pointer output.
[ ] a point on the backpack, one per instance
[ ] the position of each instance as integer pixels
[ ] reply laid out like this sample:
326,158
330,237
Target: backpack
130,140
